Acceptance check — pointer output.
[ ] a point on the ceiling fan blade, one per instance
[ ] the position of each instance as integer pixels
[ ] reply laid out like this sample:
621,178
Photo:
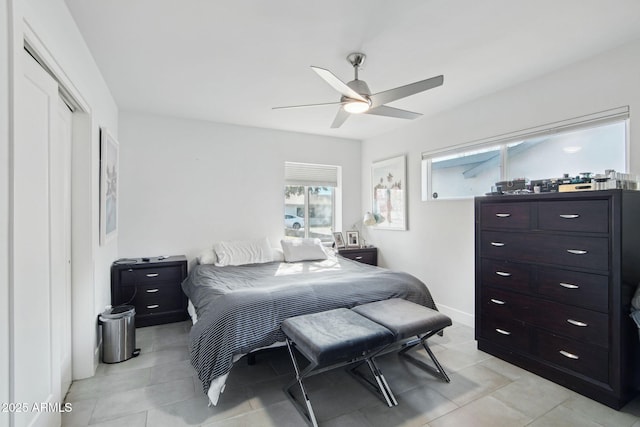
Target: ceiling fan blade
338,84
340,118
384,110
309,105
404,91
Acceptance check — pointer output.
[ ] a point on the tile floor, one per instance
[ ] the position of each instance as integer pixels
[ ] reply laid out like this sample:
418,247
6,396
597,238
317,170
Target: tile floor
160,388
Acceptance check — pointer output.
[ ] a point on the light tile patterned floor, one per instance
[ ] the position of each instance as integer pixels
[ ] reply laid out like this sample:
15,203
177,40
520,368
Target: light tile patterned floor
160,388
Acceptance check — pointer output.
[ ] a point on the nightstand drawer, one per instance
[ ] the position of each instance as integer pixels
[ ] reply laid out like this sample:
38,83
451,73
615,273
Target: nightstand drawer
158,299
364,255
150,274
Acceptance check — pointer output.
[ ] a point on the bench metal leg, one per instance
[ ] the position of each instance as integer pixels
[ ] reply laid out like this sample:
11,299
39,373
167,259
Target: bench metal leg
438,371
308,414
381,387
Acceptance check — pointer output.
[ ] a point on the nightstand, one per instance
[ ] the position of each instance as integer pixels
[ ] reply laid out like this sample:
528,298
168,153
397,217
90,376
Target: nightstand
153,287
364,255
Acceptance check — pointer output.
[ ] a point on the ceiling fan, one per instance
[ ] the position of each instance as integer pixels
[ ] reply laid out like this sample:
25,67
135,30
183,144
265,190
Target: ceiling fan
357,97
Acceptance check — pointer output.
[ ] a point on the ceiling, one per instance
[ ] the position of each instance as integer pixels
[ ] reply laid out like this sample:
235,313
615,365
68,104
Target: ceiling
231,61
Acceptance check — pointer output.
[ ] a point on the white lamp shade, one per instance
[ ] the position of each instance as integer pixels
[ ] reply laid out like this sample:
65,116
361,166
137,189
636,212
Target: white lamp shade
369,219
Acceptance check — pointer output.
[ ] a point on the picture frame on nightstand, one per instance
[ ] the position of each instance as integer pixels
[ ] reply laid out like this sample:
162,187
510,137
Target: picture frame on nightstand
338,239
353,239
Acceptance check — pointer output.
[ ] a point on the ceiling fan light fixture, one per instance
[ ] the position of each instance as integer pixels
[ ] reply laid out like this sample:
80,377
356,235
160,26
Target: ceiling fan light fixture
356,107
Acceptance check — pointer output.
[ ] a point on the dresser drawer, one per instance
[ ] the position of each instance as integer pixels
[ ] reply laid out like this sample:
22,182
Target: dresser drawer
505,274
572,251
501,304
505,215
150,274
508,333
584,215
585,359
575,288
580,324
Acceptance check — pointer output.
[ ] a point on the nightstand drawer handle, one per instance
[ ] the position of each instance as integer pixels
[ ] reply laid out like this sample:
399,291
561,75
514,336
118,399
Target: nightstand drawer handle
502,331
569,216
577,323
498,244
358,258
497,301
503,215
153,274
576,251
503,273
569,285
153,306
152,291
569,355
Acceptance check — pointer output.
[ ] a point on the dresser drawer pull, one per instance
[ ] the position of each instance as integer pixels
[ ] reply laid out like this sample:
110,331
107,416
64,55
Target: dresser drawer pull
503,332
503,273
152,291
497,301
576,251
358,258
503,215
569,355
153,274
577,323
569,285
570,216
498,244
153,306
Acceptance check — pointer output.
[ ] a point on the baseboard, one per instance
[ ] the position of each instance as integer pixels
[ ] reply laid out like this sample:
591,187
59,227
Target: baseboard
457,315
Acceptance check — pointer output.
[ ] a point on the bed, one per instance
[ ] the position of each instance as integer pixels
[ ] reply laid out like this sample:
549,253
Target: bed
239,309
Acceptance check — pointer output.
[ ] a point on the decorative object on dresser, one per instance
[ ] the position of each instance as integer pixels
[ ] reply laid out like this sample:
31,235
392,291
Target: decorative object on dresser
152,286
364,255
555,274
389,194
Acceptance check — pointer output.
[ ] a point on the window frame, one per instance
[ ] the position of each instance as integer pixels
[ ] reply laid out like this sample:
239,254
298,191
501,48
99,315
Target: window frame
602,118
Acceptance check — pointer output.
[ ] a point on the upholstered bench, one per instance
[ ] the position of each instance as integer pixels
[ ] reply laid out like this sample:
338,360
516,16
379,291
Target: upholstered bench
411,325
329,340
341,337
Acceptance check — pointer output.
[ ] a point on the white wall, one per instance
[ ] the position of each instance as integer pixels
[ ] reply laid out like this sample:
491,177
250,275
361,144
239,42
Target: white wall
439,245
186,183
51,28
4,208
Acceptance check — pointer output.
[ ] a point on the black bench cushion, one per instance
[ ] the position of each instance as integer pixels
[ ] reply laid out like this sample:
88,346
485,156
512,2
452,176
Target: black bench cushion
335,336
404,318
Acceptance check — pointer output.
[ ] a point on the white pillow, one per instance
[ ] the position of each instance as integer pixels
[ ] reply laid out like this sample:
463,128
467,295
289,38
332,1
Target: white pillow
240,252
208,256
302,250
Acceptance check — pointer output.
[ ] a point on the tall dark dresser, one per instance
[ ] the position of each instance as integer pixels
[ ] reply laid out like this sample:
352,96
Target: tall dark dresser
555,275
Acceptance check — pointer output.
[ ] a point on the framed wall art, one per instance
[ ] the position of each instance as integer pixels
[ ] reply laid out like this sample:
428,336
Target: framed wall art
389,193
108,186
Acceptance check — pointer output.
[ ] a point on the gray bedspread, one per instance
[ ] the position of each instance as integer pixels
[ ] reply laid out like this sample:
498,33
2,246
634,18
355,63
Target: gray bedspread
240,308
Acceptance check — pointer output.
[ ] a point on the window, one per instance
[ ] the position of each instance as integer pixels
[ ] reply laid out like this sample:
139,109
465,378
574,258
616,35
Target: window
591,143
309,200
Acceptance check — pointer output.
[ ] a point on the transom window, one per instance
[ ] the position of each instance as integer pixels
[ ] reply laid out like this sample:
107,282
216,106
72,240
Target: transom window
591,144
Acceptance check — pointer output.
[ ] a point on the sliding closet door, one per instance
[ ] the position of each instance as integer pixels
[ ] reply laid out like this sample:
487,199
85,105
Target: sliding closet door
36,347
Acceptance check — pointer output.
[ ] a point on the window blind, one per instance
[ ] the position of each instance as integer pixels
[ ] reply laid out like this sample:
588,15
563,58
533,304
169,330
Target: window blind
309,174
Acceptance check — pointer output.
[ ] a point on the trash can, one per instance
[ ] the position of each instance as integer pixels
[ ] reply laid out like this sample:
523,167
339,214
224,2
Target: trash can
118,333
